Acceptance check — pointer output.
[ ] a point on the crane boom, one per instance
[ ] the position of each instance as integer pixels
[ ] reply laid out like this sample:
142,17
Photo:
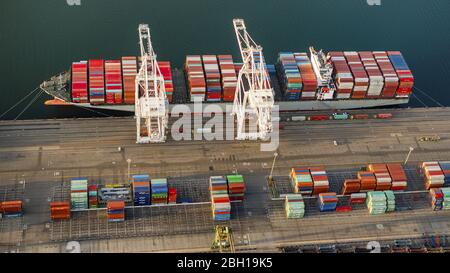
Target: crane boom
254,97
151,104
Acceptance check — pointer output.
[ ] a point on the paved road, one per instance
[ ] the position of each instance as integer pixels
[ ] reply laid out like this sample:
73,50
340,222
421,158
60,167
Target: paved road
45,153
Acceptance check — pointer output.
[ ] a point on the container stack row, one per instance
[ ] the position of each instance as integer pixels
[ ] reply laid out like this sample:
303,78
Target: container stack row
294,206
390,76
96,82
378,177
433,175
384,181
141,189
159,191
440,198
327,201
129,72
220,201
236,187
361,80
398,176
93,196
166,71
11,208
380,202
60,210
79,193
404,74
116,211
301,181
289,75
79,82
376,80
195,77
213,79
342,75
113,80
229,77
309,80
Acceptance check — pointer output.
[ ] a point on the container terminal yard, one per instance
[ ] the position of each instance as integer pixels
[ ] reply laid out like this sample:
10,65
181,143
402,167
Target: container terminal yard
40,157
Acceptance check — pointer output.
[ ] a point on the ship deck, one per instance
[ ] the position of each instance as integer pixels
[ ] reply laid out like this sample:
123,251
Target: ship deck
38,157
59,87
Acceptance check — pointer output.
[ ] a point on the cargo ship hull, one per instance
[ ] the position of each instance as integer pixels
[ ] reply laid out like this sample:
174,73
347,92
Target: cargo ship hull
284,106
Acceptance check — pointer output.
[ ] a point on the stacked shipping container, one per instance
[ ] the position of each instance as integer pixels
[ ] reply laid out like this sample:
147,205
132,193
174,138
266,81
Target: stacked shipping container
79,193
116,211
93,198
434,177
361,80
440,198
320,180
96,82
113,80
376,80
129,72
159,191
60,210
390,76
220,201
376,202
172,196
358,198
399,179
294,206
289,75
445,167
403,72
327,201
342,75
79,82
195,77
301,181
166,71
384,181
229,77
309,80
236,187
141,189
212,75
11,208
351,186
368,181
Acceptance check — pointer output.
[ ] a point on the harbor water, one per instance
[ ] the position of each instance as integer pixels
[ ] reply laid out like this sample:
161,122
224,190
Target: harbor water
41,38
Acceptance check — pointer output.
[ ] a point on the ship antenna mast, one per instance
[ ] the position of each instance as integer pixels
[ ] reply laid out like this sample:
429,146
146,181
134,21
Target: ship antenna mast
254,97
151,104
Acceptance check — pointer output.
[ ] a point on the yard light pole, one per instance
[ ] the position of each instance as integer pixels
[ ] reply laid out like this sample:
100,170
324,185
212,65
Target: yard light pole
409,153
273,165
129,166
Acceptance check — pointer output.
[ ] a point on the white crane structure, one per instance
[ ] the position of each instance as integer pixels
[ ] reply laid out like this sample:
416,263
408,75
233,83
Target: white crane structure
151,104
254,97
324,71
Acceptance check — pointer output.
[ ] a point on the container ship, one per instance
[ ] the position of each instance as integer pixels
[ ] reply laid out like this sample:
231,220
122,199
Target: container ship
301,81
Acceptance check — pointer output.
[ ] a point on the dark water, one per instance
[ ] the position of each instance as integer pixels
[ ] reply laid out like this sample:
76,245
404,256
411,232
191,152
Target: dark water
41,38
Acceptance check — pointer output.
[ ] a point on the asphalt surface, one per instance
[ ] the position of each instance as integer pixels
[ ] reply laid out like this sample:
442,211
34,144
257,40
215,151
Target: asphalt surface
38,155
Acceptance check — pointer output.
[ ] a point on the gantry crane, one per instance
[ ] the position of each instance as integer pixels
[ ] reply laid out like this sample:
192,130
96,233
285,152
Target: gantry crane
151,104
223,239
254,97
